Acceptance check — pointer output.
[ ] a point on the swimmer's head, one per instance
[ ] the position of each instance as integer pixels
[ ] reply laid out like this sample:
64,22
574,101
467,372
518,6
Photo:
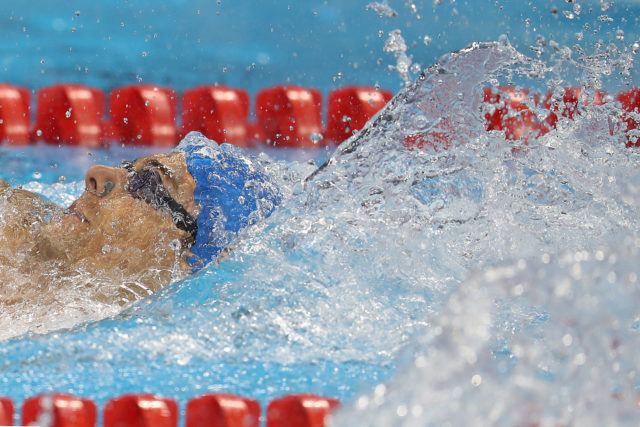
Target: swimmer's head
155,213
231,192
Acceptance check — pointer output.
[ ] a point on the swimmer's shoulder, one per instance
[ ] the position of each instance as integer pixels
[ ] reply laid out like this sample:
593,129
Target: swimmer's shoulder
23,209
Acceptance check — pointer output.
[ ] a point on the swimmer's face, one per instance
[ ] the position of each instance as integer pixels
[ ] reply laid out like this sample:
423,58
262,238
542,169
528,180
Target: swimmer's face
110,227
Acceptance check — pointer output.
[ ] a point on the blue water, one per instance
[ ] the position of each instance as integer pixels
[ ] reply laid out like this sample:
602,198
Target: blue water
256,43
325,296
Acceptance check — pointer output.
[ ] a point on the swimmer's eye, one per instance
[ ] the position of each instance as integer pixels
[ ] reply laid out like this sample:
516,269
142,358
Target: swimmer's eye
147,185
161,167
144,179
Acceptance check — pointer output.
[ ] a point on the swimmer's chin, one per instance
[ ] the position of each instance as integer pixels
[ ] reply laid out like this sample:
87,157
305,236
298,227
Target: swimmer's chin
74,215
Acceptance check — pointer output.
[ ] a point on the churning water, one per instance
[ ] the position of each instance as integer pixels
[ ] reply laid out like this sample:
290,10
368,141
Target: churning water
392,255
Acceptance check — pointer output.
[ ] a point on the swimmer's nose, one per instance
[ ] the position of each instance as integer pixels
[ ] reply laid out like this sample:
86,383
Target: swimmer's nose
101,180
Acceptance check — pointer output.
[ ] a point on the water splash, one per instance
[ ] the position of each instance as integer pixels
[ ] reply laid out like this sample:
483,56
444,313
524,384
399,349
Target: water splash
396,45
545,342
363,253
382,9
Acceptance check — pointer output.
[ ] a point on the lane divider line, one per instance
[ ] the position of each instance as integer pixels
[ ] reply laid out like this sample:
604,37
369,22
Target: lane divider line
287,116
148,410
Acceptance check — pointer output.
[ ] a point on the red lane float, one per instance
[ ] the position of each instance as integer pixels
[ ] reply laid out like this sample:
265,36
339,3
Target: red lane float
15,114
630,101
290,116
222,410
141,410
218,112
574,101
144,115
70,114
511,114
59,410
440,138
6,412
301,410
350,108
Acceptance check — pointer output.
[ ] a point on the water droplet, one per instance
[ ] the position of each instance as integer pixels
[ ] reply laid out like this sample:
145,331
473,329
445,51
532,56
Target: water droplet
67,113
402,411
427,40
125,120
316,137
39,132
382,9
37,175
476,380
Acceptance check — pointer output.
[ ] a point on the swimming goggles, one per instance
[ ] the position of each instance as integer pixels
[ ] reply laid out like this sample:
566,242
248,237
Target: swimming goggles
146,185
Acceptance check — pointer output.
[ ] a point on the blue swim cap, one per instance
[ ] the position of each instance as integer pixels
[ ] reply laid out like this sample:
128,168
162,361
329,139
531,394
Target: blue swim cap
232,192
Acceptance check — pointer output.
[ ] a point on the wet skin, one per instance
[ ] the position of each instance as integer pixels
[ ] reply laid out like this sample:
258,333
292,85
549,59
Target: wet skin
128,245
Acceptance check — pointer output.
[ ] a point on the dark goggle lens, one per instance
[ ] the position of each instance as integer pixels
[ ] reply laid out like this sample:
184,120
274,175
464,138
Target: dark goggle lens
142,179
147,185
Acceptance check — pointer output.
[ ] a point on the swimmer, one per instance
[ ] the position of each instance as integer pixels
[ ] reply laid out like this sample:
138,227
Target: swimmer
135,228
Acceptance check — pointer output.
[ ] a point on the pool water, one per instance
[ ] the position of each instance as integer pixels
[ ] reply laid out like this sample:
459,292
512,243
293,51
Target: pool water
259,43
489,282
362,258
